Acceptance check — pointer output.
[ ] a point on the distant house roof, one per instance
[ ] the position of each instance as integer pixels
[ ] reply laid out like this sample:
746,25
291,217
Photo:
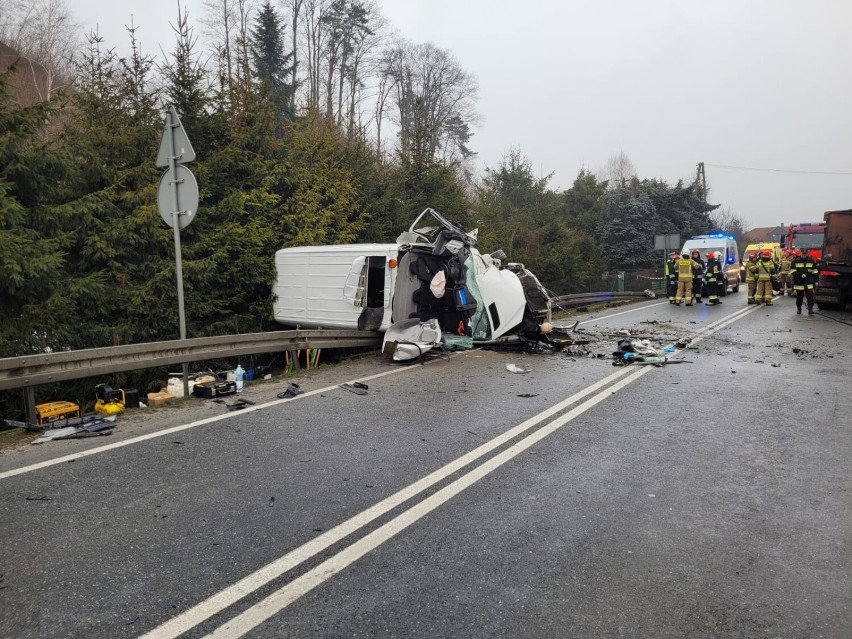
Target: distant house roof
766,233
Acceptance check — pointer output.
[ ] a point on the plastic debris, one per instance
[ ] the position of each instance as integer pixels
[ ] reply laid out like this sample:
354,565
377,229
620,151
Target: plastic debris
356,387
514,368
292,390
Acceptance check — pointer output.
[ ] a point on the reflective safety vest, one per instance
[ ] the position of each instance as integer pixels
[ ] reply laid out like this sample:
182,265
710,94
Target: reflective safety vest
804,274
750,269
785,265
765,270
714,272
684,269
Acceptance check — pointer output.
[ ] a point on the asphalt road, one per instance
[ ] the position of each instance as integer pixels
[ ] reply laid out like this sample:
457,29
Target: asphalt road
457,499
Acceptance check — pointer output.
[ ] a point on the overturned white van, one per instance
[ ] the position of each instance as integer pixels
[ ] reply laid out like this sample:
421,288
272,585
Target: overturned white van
432,280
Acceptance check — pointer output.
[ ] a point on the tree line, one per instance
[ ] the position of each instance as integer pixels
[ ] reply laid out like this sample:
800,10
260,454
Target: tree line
310,126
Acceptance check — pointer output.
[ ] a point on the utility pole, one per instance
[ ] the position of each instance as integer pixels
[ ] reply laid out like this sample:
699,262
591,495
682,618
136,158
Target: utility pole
701,184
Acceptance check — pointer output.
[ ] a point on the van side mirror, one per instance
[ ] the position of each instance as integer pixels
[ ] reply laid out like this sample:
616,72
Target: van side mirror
355,288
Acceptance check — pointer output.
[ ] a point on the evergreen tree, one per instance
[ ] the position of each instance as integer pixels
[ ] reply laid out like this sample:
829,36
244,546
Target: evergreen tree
318,191
679,209
627,229
33,243
272,67
582,202
111,146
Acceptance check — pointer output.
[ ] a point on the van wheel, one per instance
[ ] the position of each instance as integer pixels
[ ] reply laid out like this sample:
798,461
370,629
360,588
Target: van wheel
724,291
736,288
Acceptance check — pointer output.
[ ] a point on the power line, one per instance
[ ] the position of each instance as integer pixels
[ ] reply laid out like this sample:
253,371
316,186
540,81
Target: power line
765,170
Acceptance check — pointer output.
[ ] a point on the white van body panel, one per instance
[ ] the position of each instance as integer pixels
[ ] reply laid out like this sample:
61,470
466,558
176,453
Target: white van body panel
501,290
309,287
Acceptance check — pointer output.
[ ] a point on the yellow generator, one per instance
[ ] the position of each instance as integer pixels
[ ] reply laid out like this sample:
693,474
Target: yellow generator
54,411
109,402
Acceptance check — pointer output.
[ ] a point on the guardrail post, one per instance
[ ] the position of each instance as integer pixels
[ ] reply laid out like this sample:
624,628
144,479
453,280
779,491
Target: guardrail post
31,411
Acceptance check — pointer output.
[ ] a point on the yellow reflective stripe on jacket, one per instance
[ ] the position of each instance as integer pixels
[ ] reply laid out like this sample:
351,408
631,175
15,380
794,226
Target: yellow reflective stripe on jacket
684,269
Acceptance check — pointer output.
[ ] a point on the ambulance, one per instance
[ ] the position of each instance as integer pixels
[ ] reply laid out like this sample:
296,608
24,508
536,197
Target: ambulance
727,246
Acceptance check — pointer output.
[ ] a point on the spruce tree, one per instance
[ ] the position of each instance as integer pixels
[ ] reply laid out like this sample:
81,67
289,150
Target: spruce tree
272,67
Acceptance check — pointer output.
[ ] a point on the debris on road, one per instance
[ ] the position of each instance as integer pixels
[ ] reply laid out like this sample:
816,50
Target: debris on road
239,404
640,351
292,390
356,387
93,428
514,368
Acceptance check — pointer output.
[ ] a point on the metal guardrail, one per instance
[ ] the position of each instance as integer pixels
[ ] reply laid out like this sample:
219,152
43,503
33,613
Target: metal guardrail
582,299
45,368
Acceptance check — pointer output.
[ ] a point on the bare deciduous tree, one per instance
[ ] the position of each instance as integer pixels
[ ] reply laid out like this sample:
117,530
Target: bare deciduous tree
219,22
618,170
315,36
726,220
295,7
435,102
46,36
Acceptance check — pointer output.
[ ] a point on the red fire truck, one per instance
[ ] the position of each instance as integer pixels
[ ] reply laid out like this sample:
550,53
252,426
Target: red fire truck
805,237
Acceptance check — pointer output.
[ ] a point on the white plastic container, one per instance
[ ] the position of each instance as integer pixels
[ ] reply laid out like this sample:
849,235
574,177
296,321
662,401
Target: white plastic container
175,386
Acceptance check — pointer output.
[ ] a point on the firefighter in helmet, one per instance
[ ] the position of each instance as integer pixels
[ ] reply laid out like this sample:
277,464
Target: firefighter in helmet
784,273
697,275
685,268
751,276
765,274
713,277
804,274
671,276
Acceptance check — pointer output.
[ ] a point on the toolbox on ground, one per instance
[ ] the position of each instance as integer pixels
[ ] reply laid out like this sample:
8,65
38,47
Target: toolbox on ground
54,411
214,389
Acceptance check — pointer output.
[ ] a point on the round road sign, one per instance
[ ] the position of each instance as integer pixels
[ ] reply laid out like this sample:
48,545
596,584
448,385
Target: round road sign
187,197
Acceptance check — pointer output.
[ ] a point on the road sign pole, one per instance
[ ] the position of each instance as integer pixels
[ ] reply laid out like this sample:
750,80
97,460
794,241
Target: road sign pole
176,225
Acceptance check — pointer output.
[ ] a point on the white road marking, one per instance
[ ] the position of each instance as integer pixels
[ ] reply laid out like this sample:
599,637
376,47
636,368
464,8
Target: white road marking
291,592
221,600
274,603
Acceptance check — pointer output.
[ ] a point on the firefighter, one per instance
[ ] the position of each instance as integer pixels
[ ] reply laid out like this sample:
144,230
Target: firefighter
685,267
765,273
784,276
804,275
713,277
751,276
671,276
697,275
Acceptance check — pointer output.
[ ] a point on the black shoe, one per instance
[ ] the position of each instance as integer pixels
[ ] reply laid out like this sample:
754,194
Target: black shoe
810,311
799,310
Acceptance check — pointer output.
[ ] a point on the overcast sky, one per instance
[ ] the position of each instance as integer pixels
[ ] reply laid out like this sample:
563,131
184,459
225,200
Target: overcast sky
761,84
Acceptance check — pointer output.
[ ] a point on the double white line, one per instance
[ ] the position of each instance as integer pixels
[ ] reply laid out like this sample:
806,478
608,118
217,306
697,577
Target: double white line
280,599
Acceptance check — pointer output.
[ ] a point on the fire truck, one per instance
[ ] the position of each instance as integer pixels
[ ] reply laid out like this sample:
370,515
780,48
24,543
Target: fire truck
805,237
